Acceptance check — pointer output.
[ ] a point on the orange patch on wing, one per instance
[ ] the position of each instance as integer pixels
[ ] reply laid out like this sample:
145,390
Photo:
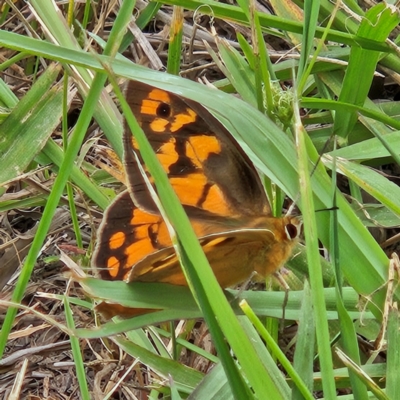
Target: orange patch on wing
195,182
200,147
160,95
138,250
117,240
207,198
183,119
149,107
143,246
215,202
159,124
113,266
142,218
167,154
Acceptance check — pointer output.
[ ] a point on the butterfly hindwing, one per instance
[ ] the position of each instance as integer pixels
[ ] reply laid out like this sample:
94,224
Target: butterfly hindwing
127,235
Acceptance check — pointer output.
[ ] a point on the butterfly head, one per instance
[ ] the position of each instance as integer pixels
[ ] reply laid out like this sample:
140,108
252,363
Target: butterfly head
293,227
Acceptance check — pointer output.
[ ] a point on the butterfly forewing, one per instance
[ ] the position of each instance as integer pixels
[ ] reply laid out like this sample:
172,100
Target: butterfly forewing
196,152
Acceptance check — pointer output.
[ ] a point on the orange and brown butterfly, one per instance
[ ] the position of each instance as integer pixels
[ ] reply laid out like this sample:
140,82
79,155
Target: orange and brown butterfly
218,187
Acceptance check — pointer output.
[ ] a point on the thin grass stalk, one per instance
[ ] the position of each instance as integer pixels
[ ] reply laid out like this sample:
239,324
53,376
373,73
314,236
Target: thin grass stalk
311,238
347,328
76,353
302,78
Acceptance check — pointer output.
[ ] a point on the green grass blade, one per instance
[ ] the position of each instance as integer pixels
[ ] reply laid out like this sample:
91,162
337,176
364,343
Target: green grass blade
303,359
311,12
277,352
213,386
393,354
184,377
77,354
23,133
316,281
175,42
377,24
387,192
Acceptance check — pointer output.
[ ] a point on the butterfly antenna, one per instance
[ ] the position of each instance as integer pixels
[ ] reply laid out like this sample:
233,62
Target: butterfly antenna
292,207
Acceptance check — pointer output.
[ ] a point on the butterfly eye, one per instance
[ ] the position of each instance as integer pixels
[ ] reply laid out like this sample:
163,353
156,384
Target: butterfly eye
163,110
291,231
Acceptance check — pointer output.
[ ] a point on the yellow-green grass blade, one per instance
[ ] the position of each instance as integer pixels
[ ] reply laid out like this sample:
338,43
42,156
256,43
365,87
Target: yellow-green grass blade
375,371
277,352
366,379
339,106
262,65
236,69
310,22
376,215
31,201
214,386
350,345
267,355
183,342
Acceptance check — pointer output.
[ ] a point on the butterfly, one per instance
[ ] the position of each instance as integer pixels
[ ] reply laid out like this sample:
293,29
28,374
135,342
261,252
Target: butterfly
218,187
